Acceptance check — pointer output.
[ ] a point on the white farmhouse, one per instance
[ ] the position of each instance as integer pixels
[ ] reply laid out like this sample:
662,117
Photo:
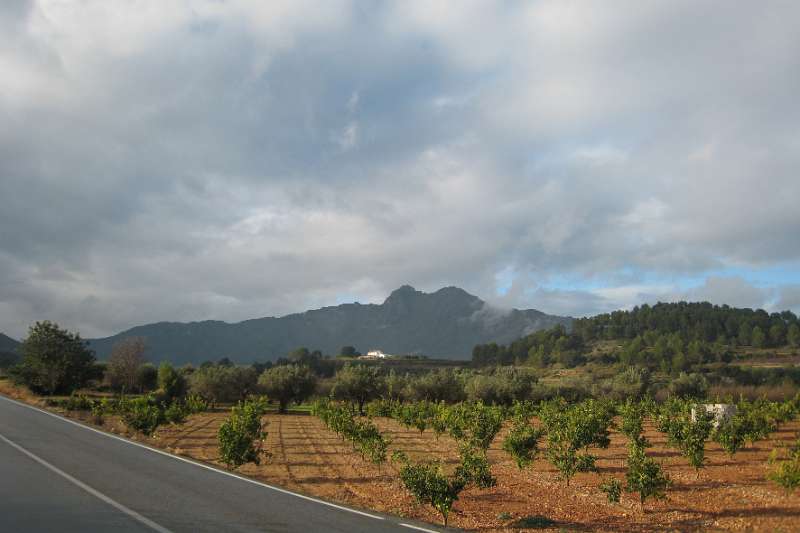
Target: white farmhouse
375,354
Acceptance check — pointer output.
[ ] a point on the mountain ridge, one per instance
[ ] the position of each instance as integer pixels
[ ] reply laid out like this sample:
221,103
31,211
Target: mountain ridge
446,323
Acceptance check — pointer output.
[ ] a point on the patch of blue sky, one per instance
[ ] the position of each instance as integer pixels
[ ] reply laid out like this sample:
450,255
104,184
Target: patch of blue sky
772,276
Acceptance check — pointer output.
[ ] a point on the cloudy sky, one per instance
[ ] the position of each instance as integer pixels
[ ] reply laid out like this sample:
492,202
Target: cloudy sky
236,159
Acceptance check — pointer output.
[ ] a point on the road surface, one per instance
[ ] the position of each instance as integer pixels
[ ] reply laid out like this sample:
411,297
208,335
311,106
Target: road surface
60,476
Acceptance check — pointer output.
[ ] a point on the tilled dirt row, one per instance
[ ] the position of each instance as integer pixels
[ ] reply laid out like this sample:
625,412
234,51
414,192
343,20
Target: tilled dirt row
729,494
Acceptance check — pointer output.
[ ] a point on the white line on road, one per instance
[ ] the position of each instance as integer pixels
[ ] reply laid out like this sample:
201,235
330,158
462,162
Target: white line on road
195,463
418,528
97,494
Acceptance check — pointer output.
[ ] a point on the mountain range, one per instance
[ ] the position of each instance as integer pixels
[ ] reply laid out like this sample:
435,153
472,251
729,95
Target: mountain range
447,323
7,344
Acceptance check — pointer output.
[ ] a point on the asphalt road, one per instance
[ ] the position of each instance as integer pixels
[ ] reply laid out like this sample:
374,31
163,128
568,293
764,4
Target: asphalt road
60,476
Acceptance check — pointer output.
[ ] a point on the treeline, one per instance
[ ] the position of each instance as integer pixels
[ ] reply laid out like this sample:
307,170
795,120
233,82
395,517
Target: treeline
672,337
542,348
700,321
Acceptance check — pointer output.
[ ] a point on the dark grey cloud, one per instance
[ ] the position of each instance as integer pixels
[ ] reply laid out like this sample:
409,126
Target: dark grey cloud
197,160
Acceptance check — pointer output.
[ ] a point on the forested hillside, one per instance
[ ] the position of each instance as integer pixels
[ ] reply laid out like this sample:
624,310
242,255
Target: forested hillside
667,336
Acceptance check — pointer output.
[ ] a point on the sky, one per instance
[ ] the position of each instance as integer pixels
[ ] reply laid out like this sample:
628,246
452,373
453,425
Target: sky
193,160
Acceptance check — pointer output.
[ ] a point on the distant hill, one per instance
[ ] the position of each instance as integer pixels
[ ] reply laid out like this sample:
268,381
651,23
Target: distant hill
7,344
447,323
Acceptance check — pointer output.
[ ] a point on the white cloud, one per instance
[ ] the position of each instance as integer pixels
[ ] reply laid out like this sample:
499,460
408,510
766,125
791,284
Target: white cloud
238,159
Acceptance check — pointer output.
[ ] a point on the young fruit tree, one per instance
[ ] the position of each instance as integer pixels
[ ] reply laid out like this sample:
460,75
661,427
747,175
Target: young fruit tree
522,442
644,475
428,484
241,436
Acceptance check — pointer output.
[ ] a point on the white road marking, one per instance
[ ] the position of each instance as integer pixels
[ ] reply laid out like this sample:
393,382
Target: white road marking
97,494
418,528
201,465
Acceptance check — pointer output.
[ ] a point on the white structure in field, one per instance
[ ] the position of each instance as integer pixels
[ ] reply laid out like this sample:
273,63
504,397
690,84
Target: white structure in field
721,411
375,354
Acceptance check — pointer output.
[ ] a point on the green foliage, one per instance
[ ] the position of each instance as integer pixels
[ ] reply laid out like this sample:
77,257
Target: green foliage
687,435
786,469
700,321
142,414
219,384
612,489
571,428
632,414
442,385
53,360
363,434
474,469
689,386
731,434
522,441
288,383
644,475
503,386
357,384
474,424
147,378
429,485
171,383
241,436
175,413
381,407
194,403
540,348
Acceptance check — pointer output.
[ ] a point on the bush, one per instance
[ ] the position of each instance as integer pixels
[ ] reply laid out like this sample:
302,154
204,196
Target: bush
142,414
241,436
786,472
689,386
195,403
612,489
175,413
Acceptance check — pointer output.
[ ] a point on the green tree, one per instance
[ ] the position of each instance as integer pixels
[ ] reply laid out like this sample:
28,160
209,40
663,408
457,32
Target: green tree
223,384
54,360
793,335
357,384
287,383
171,383
777,335
348,351
146,378
759,339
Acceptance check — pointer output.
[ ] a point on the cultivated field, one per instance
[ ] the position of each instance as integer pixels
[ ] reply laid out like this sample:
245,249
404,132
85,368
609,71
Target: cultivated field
731,493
